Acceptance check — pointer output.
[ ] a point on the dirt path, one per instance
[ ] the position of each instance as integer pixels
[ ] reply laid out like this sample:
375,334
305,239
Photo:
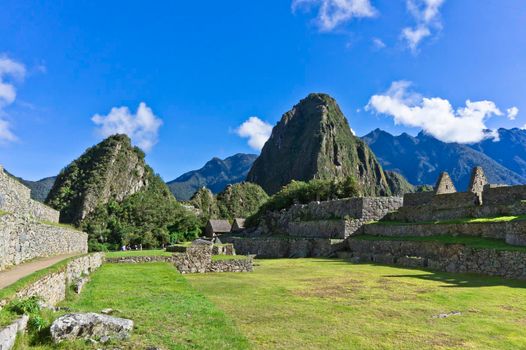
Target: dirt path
17,272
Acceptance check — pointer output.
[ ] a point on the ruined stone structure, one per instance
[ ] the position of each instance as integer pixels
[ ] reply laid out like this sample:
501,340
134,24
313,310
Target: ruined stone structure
478,180
314,229
444,184
442,213
196,258
29,229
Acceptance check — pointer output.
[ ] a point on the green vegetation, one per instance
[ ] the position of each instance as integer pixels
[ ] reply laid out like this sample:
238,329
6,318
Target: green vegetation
206,202
168,313
2,213
130,253
495,219
240,200
332,304
236,201
151,217
91,194
298,192
468,241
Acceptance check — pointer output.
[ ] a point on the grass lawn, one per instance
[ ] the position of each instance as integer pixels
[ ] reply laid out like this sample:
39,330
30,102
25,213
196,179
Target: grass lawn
229,257
468,241
332,304
167,311
120,254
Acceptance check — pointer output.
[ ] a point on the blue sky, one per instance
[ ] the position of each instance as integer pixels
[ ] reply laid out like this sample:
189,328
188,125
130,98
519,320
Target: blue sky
203,68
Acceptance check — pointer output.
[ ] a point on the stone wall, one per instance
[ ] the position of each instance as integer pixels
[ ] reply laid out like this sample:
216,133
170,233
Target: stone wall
300,220
503,195
51,288
16,198
23,238
287,247
139,259
442,257
513,232
321,229
357,208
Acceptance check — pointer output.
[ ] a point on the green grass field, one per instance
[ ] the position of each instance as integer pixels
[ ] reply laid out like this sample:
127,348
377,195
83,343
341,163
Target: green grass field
167,311
306,304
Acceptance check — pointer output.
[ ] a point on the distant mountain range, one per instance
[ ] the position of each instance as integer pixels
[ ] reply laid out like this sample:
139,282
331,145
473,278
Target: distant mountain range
421,159
216,174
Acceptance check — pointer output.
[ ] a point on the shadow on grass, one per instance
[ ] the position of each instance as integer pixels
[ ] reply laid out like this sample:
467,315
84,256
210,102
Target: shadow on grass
454,280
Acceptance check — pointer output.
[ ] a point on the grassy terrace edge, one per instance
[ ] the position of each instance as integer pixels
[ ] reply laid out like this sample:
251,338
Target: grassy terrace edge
468,241
488,220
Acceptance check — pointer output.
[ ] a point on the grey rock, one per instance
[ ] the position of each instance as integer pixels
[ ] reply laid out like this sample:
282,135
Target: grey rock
90,326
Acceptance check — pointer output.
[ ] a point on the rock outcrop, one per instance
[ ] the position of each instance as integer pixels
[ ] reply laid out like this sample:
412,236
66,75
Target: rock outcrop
111,170
94,326
314,141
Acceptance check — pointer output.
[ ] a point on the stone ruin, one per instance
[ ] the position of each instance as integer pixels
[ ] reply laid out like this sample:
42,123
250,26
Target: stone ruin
444,184
28,228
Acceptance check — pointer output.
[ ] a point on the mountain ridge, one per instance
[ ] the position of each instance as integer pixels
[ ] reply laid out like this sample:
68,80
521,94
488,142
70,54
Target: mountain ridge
421,158
216,175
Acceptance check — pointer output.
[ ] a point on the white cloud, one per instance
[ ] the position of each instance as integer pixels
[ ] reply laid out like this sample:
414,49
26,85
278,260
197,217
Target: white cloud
332,13
378,43
512,113
427,16
435,115
256,130
10,73
142,127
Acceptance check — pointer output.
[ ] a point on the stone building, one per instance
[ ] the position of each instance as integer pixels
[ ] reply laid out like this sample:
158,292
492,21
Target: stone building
478,180
238,225
217,227
444,184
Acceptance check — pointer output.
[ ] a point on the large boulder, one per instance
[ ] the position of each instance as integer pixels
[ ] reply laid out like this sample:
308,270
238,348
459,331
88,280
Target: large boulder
90,326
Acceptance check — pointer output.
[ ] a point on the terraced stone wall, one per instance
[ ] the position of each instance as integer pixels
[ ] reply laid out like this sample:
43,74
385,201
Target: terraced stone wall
442,257
23,238
16,198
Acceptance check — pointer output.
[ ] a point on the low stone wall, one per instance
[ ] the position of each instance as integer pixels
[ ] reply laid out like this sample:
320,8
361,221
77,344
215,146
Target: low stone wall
269,247
196,258
233,265
23,238
442,257
514,232
8,334
139,259
16,198
51,288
